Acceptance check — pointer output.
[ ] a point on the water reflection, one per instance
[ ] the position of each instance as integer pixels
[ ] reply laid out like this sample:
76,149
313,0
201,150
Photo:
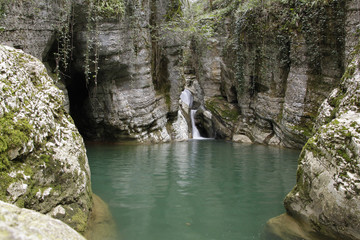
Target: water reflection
192,190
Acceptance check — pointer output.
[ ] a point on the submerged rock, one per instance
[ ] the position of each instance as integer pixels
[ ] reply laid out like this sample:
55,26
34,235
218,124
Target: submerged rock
287,228
43,160
326,196
101,223
23,224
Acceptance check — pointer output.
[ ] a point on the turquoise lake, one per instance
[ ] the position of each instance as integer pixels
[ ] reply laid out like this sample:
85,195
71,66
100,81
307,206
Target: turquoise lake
194,190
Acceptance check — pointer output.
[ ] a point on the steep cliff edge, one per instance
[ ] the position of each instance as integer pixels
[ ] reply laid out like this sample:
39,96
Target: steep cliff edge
122,78
43,160
326,196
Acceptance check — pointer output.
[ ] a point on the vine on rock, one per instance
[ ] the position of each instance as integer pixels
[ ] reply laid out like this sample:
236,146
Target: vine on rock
97,10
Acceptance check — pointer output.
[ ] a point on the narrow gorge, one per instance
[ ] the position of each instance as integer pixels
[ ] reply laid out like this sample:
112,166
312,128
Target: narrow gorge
282,73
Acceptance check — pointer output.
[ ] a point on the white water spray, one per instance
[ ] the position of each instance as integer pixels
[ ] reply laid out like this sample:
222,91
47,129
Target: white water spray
195,130
187,98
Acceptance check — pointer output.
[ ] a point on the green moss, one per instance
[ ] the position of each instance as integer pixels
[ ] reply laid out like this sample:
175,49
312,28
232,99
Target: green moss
349,72
5,181
219,107
306,130
20,203
335,122
28,170
342,153
14,134
80,219
45,158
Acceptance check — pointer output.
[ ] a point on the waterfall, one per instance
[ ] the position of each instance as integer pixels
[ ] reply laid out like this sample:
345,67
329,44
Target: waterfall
187,98
195,131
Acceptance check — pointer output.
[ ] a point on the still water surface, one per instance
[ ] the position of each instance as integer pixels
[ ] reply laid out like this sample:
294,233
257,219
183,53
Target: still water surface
195,190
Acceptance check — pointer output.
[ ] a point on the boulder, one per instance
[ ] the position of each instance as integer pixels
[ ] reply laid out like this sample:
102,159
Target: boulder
43,160
24,224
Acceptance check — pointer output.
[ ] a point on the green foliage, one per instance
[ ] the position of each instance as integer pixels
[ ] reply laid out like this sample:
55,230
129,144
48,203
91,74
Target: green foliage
174,10
109,8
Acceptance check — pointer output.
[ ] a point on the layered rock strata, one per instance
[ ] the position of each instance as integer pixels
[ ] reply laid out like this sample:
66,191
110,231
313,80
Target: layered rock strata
276,62
135,94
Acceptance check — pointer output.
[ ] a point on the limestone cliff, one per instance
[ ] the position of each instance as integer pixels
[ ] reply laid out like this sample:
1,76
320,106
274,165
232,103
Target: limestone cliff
275,61
23,224
259,73
123,79
43,160
38,28
135,92
326,196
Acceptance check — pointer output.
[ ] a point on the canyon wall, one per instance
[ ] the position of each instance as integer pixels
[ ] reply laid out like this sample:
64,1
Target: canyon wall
259,77
276,63
122,77
135,93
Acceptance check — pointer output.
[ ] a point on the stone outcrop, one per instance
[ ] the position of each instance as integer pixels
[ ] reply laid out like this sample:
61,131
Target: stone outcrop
23,224
326,196
38,28
43,160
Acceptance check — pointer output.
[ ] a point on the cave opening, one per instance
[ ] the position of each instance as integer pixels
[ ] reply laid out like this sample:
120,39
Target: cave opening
72,82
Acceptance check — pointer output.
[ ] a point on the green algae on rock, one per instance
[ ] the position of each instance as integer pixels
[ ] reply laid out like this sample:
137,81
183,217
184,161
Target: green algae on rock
42,155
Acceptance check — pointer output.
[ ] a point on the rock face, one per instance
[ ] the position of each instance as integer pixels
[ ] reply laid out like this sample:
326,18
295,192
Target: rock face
43,160
133,91
277,62
38,28
270,65
326,196
136,91
23,224
31,26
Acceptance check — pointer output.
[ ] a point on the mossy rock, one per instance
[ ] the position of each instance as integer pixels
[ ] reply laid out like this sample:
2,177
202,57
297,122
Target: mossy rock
43,160
220,107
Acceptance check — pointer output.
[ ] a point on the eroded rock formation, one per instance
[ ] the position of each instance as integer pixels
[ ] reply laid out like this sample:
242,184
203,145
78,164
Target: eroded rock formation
43,160
273,63
326,195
